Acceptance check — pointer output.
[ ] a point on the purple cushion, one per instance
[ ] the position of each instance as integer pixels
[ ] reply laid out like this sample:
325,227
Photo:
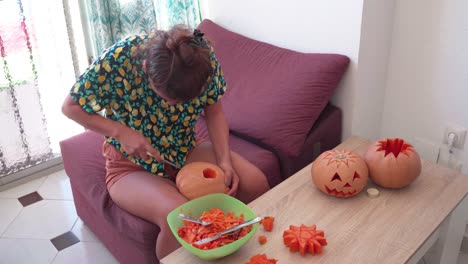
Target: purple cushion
282,92
265,160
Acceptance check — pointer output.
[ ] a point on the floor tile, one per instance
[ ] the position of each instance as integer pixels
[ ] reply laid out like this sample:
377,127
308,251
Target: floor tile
43,220
21,190
25,251
85,253
83,232
56,186
9,209
64,240
29,199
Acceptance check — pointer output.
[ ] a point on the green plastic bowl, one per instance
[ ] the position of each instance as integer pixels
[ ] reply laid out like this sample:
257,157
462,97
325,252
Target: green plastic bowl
196,207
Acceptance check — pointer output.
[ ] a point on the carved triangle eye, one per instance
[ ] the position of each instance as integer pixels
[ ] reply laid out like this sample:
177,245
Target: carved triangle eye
336,177
356,176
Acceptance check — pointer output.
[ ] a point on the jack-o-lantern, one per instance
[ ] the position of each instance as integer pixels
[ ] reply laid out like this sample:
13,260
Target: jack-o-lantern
340,173
393,163
200,178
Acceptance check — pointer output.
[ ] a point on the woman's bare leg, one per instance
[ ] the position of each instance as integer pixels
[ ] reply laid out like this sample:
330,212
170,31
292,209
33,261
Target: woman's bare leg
152,198
252,181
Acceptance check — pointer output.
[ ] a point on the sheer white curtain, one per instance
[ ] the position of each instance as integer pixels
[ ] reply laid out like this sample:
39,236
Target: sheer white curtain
36,73
43,50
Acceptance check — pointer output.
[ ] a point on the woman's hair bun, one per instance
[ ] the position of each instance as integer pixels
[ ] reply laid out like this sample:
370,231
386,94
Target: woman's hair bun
186,43
179,61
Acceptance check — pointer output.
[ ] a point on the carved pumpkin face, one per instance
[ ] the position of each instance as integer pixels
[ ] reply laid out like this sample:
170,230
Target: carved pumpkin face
393,163
197,179
340,173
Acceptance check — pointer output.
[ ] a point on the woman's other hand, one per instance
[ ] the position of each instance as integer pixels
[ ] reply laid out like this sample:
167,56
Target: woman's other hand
231,178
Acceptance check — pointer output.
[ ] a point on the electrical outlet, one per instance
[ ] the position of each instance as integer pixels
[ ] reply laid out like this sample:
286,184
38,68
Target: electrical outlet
455,164
460,133
449,160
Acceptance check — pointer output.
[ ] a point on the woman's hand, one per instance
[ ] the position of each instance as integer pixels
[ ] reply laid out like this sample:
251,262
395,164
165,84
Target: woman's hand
136,144
219,134
231,178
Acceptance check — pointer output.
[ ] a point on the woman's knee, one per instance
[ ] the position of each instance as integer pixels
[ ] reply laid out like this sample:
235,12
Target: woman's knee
248,173
167,205
202,152
256,184
252,185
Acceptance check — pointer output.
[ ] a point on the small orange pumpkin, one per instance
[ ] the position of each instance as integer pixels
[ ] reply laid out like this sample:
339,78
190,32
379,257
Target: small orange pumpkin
393,163
200,178
340,173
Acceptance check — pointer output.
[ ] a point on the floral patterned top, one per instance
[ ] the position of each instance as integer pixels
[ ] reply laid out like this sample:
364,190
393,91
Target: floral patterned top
115,84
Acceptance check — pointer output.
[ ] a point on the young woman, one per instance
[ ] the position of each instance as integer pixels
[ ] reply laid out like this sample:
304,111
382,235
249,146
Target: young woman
152,89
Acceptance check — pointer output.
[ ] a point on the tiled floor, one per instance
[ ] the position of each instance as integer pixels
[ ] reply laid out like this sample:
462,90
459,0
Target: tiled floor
38,224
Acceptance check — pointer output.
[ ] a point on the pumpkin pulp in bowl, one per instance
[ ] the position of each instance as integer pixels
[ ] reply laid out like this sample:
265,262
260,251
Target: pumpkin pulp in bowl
202,204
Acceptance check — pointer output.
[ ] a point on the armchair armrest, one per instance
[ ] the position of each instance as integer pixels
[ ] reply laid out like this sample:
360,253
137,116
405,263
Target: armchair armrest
324,135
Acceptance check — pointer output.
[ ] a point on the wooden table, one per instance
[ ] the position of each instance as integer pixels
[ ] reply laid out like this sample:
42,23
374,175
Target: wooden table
399,226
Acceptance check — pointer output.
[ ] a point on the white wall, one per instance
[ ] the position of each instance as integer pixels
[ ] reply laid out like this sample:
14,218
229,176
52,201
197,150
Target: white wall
409,59
325,26
428,71
369,98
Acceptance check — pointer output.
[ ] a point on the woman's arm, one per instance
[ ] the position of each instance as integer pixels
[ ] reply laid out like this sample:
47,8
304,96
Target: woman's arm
219,134
94,122
132,141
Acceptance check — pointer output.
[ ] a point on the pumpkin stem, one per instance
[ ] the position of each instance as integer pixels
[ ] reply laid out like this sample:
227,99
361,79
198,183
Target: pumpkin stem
340,156
209,173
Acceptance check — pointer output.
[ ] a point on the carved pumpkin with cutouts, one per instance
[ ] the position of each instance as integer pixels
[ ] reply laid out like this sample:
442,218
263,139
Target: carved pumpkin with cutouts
340,173
393,163
197,179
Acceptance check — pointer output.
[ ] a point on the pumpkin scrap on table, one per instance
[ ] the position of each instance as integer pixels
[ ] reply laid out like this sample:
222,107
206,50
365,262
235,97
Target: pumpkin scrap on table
304,239
262,240
261,259
267,223
192,232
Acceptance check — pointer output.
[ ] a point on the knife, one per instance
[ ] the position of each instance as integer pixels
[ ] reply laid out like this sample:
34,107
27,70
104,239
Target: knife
227,231
165,161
